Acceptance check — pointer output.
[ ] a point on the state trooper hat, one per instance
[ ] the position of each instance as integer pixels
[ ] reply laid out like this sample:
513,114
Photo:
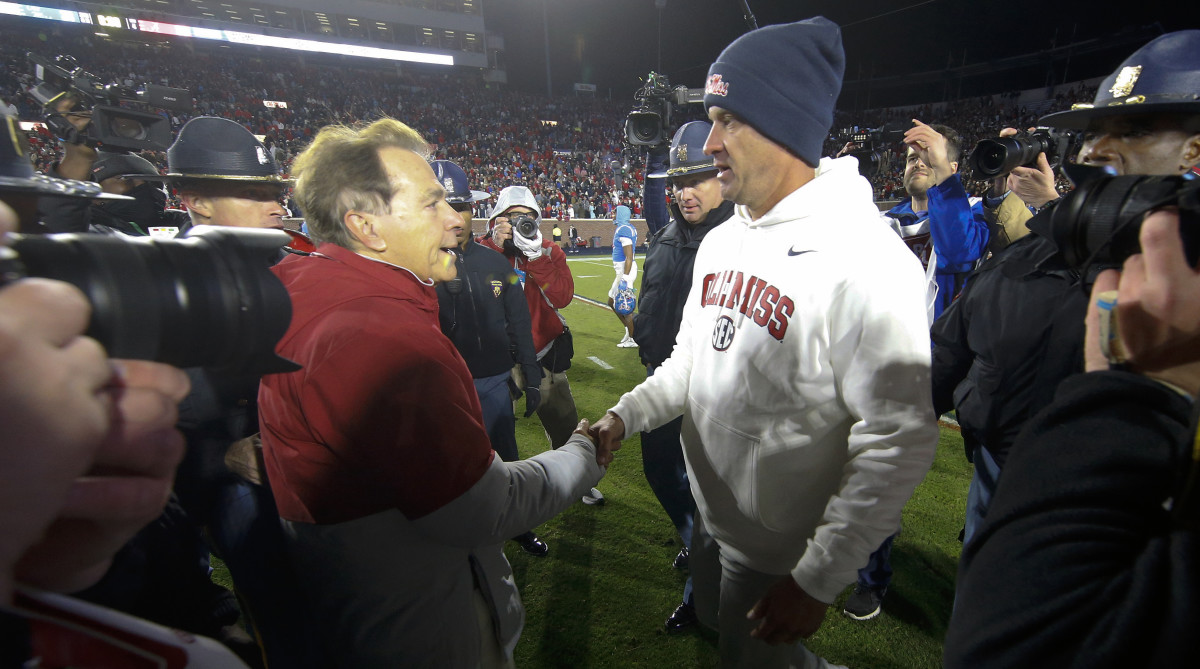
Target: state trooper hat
110,165
454,180
213,148
1161,77
687,151
17,174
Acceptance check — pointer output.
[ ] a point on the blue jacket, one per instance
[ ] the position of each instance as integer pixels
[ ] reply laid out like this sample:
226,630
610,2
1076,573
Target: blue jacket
958,230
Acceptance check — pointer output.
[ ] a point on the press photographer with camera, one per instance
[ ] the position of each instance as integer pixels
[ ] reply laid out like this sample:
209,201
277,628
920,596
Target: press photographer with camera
1017,330
542,269
1089,552
99,142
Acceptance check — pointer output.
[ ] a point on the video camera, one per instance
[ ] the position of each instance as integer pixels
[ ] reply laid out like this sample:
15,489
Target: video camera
1098,223
872,144
649,124
113,126
207,299
994,157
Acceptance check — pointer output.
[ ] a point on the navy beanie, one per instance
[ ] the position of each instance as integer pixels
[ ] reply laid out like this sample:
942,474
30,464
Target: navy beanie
784,81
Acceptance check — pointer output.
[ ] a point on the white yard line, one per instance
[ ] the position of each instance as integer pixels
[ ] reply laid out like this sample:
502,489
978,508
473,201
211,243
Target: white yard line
601,363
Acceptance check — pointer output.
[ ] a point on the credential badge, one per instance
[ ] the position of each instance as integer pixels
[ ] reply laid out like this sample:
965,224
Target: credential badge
1126,78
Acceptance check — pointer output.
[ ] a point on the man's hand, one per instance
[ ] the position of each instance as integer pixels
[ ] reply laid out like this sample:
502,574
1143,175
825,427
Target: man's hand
930,147
788,614
1158,308
533,400
608,433
1034,185
125,487
850,146
502,231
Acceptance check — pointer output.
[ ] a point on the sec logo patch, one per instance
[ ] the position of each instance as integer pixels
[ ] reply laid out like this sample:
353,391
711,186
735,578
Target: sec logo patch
723,333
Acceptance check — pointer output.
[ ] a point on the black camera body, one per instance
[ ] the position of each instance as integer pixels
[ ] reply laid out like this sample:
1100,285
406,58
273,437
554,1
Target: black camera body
872,144
524,225
207,299
998,156
114,126
1098,223
649,124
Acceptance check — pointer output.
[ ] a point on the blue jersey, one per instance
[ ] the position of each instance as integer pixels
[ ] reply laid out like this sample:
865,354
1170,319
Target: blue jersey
626,231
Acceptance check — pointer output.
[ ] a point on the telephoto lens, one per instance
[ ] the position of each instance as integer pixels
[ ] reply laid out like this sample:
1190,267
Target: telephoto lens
525,225
205,300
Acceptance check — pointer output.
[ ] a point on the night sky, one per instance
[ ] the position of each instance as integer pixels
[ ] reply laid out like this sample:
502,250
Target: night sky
612,43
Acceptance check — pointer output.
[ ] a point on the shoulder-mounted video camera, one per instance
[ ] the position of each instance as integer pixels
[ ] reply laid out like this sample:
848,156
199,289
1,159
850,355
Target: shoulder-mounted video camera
1099,222
649,124
872,144
205,300
115,125
993,157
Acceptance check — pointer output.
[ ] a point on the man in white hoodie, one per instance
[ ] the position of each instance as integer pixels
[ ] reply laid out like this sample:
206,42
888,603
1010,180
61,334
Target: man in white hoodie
802,365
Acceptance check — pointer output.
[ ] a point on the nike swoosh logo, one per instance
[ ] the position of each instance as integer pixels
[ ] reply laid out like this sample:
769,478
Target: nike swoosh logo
793,252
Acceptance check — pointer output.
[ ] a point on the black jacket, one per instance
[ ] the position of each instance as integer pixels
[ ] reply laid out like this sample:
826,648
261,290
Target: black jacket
666,280
1005,344
486,316
1080,563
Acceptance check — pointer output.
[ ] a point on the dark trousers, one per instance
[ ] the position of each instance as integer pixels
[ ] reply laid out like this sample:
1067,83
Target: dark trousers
663,465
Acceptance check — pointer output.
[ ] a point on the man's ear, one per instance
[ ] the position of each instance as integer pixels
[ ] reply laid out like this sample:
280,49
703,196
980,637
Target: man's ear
363,229
954,166
201,204
1191,152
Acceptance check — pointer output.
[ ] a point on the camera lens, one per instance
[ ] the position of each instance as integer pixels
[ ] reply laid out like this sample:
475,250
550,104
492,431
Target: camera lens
206,300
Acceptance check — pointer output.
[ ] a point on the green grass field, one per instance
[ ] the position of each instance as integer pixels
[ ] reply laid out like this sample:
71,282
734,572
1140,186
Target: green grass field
601,596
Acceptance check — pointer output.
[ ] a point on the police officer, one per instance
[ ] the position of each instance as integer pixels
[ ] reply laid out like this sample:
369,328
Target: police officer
483,312
696,208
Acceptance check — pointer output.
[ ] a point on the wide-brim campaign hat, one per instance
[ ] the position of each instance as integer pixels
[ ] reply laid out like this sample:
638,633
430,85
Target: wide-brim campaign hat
1161,77
210,148
454,180
18,176
687,151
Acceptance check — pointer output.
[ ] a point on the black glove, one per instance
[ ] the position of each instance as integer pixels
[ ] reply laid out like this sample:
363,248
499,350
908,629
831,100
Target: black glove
533,399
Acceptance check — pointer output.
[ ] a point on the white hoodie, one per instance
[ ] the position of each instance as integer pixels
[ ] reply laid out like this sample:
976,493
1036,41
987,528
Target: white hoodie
802,372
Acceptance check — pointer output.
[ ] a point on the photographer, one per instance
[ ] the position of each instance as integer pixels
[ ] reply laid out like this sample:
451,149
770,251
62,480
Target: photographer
118,174
947,231
1003,347
1088,555
542,269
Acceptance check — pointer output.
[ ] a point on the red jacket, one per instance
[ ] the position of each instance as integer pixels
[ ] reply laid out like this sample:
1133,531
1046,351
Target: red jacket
548,285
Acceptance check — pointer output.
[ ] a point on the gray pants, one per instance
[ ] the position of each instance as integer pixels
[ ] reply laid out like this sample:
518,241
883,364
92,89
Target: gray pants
724,591
557,410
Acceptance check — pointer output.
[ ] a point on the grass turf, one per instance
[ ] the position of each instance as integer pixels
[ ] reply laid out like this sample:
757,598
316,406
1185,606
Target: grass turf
600,598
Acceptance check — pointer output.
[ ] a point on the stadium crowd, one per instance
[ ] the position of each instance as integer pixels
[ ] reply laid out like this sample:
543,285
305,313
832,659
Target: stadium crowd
361,494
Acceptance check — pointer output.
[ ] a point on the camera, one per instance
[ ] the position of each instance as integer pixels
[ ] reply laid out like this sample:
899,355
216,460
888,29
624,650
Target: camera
649,123
525,225
1098,223
113,126
207,299
994,157
872,144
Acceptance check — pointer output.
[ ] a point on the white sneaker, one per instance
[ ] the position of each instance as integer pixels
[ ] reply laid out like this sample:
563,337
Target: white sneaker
627,342
593,498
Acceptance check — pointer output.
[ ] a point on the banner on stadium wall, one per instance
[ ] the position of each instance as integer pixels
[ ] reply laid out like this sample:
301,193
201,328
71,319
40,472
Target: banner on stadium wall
274,104
585,88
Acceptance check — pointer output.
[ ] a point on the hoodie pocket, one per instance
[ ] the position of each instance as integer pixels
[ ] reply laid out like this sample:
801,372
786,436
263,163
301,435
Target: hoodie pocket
730,457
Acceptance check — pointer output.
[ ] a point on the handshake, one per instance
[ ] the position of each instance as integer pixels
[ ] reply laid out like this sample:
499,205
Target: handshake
606,435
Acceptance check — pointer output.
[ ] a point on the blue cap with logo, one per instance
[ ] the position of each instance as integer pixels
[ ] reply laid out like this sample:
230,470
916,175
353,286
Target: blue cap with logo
454,180
687,151
1161,77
